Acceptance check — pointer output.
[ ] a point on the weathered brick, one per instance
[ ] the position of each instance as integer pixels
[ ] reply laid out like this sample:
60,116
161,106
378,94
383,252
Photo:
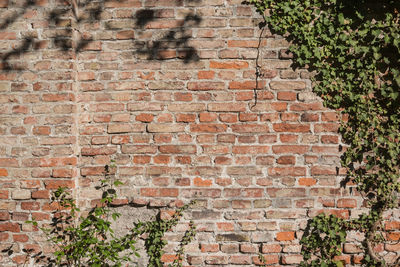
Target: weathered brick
187,107
175,149
287,85
21,194
206,86
138,149
125,128
226,107
165,128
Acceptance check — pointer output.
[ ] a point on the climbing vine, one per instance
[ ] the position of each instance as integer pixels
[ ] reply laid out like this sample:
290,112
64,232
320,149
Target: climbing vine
354,47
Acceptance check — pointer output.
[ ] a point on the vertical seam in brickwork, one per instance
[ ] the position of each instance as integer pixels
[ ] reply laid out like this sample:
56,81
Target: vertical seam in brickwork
77,110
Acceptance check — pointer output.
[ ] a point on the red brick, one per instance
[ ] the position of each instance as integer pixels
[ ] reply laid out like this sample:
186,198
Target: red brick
149,192
393,236
392,225
186,118
307,181
208,128
347,203
4,236
99,140
250,149
20,238
246,85
229,118
323,170
85,171
20,109
329,116
206,74
292,128
243,43
41,194
248,117
55,184
250,128
4,216
229,65
268,259
308,117
287,96
202,182
124,35
225,226
287,171
271,248
86,76
144,117
62,173
141,159
293,149
286,160
168,257
161,159
183,97
126,3
54,162
169,192
3,172
93,151
8,226
326,127
207,117
209,247
285,236
330,139
7,35
178,149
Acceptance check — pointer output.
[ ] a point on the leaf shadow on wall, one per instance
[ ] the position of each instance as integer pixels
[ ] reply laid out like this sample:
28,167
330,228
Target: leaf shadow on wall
59,22
168,42
174,40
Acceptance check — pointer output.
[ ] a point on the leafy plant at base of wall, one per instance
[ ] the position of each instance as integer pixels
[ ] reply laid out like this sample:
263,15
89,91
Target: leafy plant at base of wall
187,238
155,230
90,240
354,47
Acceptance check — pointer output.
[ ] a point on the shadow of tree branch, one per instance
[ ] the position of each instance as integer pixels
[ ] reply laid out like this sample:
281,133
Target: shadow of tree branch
174,43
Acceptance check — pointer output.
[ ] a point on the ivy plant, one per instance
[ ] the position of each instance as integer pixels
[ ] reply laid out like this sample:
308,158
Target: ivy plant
353,46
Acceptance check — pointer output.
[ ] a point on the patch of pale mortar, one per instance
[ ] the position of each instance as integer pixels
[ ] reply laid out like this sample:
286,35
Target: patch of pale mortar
129,216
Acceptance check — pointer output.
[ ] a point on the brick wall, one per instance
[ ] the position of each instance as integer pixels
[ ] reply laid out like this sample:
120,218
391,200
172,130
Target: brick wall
165,88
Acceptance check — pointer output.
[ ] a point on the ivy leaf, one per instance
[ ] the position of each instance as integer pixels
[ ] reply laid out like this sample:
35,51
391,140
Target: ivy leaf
341,18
